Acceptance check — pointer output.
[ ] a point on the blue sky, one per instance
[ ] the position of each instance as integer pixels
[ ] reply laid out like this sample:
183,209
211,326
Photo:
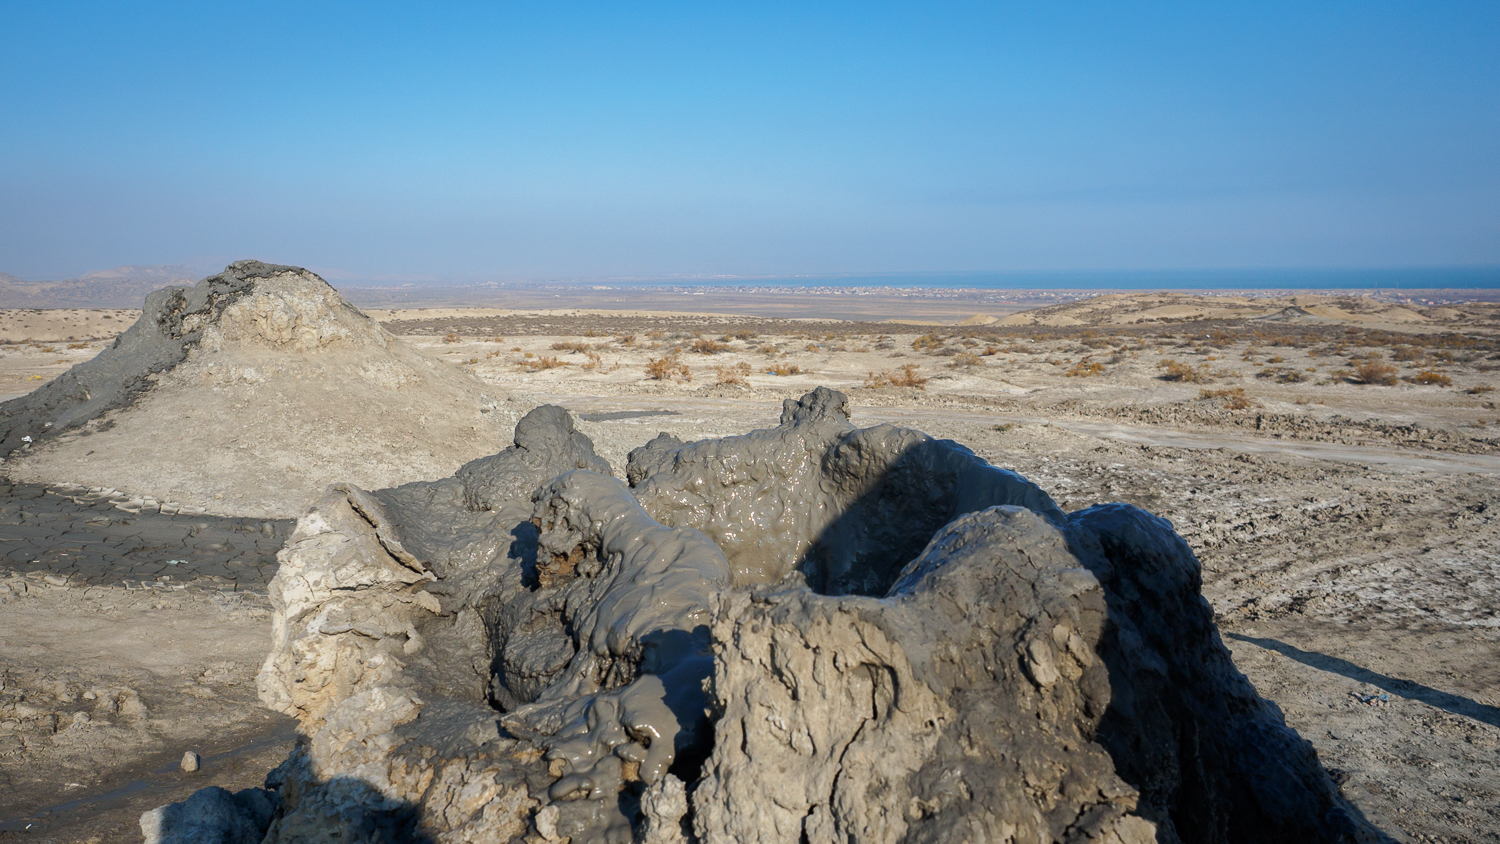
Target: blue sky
475,141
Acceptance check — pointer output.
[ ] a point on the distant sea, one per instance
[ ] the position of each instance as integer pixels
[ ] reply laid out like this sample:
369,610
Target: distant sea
1278,279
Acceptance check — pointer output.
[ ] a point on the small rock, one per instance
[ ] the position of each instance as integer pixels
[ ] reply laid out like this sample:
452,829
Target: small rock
56,580
546,822
191,761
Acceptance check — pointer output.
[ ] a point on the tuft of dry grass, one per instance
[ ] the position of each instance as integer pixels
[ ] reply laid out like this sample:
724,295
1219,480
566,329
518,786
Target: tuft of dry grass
1430,378
705,346
594,362
785,369
451,337
1480,389
539,363
966,359
906,376
1283,374
1234,398
1085,369
567,346
732,376
666,368
1374,371
1174,370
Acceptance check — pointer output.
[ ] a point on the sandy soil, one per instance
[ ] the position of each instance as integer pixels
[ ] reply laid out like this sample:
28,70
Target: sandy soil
1348,530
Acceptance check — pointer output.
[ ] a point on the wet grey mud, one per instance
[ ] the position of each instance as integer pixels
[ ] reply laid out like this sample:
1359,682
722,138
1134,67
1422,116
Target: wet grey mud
811,632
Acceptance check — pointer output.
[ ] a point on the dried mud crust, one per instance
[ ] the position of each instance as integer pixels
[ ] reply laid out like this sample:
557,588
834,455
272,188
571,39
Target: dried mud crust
72,537
104,688
131,632
904,643
1336,428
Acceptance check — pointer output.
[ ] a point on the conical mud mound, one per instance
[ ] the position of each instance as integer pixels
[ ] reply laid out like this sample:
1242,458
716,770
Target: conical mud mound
244,394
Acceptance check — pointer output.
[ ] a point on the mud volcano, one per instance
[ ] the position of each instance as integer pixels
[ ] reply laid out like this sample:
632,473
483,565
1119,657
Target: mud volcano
810,633
241,394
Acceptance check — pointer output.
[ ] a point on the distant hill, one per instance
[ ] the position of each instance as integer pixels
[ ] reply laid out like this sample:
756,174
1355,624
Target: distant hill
1116,309
122,287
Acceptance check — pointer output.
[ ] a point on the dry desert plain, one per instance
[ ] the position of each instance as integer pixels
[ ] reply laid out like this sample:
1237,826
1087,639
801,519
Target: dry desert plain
1333,461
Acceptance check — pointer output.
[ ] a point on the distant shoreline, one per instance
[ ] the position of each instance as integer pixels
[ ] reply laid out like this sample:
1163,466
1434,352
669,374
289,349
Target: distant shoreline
1282,280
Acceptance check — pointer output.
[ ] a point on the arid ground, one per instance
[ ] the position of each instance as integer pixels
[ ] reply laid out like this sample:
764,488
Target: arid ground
1334,462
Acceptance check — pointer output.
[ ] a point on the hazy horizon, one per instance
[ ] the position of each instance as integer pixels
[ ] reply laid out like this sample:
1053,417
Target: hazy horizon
1281,278
475,141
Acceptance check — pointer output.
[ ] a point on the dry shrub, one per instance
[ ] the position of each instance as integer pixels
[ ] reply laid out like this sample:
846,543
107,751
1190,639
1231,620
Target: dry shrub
451,337
625,339
656,334
1373,371
732,376
1234,397
48,349
906,376
666,368
927,342
1282,374
1480,389
78,345
812,347
540,363
785,369
595,361
861,348
989,350
570,347
1085,369
966,359
705,346
1173,370
741,335
473,360
1431,378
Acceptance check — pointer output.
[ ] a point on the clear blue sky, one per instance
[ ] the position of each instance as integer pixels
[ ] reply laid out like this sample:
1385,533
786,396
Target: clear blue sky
490,140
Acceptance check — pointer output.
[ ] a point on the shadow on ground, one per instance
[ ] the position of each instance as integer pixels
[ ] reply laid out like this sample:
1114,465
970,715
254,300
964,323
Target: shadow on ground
1394,685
